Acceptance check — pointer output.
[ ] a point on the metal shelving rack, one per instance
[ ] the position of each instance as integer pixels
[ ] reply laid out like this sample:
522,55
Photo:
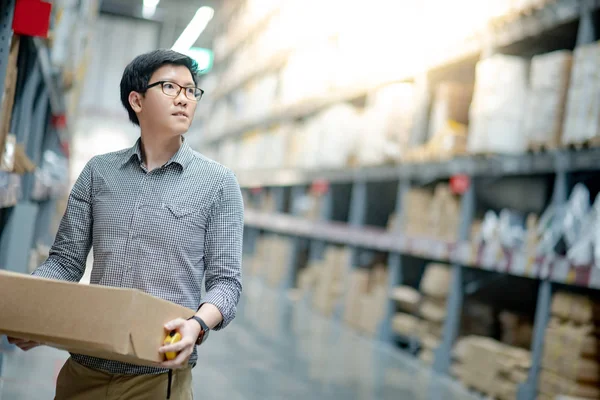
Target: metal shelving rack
39,103
560,164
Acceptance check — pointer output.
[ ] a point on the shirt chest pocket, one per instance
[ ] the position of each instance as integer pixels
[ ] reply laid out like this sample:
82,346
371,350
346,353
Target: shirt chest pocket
179,226
185,217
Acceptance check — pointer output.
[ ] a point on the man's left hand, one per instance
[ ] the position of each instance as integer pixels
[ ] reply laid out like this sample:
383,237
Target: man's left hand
189,331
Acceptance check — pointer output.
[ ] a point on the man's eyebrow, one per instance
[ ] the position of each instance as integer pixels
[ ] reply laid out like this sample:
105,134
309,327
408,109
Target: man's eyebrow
186,84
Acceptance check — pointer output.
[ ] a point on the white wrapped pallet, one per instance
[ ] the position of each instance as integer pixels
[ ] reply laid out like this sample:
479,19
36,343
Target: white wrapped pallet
583,105
550,77
497,110
388,121
340,127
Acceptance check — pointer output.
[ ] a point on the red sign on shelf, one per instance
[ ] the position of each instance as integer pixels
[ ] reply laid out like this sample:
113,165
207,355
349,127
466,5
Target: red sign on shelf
319,187
32,18
459,184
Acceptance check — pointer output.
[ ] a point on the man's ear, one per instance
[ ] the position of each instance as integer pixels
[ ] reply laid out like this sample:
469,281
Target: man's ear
135,101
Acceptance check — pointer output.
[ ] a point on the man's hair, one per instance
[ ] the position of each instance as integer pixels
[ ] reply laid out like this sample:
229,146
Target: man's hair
138,73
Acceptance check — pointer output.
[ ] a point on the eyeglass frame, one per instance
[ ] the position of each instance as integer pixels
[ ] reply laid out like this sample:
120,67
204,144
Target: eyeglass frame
162,88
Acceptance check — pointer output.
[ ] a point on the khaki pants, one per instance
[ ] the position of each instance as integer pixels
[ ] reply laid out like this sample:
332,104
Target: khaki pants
76,382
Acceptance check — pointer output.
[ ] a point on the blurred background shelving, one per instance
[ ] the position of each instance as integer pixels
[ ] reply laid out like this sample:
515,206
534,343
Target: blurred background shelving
424,174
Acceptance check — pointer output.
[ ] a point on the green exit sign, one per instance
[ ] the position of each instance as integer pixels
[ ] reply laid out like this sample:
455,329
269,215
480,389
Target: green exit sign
204,58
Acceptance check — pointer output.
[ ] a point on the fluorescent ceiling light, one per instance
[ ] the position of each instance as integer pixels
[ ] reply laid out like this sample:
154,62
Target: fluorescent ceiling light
149,8
192,32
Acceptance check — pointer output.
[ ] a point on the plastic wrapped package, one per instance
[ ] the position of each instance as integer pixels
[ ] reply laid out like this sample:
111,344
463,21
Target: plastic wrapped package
390,115
247,153
219,120
497,110
451,103
260,96
510,229
550,77
583,105
228,153
280,142
340,127
307,74
308,144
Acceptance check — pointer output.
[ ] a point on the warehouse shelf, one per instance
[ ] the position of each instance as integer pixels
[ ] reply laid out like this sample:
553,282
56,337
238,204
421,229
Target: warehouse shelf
244,35
526,26
273,64
488,166
515,262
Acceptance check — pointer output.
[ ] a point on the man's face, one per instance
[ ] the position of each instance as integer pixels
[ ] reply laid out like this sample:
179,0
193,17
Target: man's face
163,112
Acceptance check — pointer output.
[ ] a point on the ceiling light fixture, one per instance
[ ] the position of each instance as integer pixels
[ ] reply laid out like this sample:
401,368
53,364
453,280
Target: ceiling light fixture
149,8
192,32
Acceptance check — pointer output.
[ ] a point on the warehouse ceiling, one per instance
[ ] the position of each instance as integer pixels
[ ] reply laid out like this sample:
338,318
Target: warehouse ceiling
173,15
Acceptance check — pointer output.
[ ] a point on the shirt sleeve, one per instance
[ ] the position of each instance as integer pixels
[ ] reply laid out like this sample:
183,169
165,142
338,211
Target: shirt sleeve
68,254
223,250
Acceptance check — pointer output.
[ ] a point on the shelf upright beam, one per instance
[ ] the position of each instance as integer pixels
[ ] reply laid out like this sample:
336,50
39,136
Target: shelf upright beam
528,390
316,248
356,218
443,355
7,10
297,194
35,141
586,32
395,274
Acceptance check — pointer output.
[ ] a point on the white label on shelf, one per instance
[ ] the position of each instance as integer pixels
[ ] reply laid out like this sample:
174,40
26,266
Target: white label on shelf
544,268
488,258
560,270
519,263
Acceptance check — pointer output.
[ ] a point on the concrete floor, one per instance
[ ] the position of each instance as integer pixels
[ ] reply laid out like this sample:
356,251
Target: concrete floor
274,350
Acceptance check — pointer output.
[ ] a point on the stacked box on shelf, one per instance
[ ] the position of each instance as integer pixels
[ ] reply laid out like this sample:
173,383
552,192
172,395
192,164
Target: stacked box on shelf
423,311
550,76
329,285
435,287
387,125
448,123
270,259
339,129
517,330
364,307
491,367
498,107
432,215
582,117
571,358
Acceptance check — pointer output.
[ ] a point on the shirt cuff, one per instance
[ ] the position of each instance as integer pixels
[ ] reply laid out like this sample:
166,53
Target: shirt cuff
220,300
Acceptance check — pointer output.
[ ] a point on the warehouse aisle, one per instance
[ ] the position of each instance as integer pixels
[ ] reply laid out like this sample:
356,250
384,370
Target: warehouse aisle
274,350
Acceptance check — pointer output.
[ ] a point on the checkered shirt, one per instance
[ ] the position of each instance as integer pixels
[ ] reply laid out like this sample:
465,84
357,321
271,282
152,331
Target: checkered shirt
161,232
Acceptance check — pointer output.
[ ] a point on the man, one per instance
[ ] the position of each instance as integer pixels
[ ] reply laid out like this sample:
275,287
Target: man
160,217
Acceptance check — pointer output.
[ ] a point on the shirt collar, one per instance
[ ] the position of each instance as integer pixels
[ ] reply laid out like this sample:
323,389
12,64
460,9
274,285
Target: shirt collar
183,157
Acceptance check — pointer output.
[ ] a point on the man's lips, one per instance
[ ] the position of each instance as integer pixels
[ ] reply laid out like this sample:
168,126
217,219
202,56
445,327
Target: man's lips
181,114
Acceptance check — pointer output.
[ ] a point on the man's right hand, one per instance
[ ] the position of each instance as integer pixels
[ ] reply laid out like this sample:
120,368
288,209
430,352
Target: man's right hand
24,345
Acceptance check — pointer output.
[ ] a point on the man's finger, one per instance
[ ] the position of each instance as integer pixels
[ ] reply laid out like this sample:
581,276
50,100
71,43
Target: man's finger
176,323
175,347
179,362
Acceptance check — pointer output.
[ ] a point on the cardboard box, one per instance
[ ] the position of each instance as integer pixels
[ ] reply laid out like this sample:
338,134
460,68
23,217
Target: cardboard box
112,323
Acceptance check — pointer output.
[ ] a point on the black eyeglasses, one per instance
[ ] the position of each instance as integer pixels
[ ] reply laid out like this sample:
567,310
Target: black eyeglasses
173,89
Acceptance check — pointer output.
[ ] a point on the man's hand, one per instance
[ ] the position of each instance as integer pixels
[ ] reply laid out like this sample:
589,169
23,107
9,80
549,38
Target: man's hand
24,345
189,331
